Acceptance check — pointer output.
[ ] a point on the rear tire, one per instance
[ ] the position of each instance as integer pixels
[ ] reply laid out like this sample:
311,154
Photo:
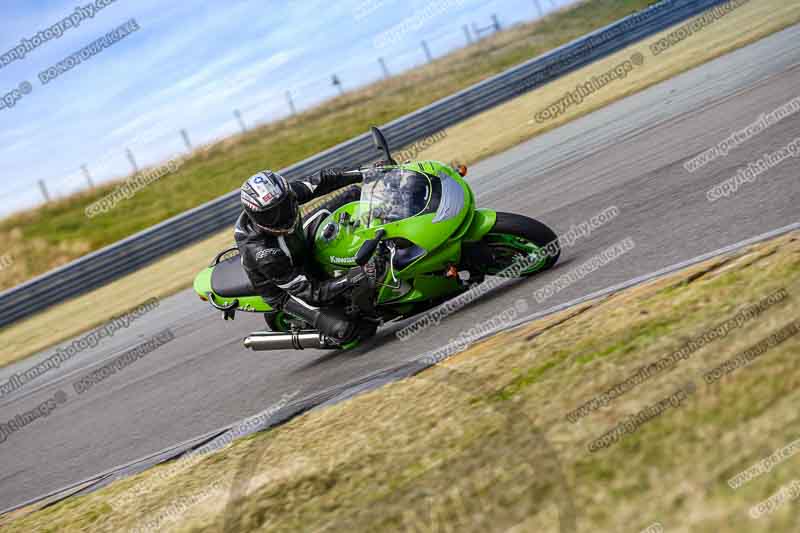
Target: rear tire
520,238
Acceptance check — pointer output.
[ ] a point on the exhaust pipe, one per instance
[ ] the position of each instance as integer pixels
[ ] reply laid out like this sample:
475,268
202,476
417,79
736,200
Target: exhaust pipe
271,340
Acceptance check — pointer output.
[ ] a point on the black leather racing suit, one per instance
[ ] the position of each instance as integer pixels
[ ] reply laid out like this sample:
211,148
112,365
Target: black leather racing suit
279,266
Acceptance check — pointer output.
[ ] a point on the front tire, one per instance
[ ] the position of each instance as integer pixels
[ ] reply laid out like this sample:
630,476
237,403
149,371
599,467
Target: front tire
524,241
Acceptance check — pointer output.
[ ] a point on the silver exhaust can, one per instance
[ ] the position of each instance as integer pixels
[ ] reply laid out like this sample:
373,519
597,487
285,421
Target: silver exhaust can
272,340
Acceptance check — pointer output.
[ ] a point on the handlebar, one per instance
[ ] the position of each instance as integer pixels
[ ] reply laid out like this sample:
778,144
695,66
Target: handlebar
359,171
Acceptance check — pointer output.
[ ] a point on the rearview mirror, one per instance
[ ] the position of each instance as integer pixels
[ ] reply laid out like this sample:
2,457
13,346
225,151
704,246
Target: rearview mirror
380,143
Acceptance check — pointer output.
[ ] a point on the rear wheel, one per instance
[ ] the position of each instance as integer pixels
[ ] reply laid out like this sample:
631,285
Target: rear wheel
521,246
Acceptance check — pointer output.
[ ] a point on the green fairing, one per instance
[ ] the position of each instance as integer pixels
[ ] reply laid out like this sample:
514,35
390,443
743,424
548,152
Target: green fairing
202,282
202,286
422,280
443,245
482,223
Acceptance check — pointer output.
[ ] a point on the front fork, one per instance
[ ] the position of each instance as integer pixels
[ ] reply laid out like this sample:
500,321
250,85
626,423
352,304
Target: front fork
482,223
475,253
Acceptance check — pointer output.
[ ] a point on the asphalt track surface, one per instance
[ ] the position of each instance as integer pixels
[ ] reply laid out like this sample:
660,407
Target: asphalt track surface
629,155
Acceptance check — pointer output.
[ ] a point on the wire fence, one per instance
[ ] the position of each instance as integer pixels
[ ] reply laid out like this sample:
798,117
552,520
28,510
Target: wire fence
161,146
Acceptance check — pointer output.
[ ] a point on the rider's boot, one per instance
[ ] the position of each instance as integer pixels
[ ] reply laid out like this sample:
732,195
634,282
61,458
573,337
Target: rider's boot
330,321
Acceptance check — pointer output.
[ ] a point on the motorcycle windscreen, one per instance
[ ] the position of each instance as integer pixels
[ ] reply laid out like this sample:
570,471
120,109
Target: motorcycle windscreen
390,195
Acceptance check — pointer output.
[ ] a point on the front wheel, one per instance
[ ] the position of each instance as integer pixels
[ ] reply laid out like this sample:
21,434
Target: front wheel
521,246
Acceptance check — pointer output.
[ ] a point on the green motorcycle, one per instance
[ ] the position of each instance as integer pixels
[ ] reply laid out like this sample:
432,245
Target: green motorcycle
417,234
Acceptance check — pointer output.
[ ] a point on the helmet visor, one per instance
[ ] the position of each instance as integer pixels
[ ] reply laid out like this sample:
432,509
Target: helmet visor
281,218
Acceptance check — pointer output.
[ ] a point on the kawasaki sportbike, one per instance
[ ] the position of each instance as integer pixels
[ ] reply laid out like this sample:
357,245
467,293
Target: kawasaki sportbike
419,237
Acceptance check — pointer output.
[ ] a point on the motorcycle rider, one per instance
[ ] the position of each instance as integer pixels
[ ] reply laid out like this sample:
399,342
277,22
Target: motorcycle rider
276,251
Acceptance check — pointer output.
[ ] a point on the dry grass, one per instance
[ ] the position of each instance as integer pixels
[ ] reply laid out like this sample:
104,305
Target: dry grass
480,443
478,137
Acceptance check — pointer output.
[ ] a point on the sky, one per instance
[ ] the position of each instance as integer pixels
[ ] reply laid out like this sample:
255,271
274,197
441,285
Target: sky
189,65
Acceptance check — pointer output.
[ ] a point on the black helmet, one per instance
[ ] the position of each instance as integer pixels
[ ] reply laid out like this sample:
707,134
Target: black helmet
270,203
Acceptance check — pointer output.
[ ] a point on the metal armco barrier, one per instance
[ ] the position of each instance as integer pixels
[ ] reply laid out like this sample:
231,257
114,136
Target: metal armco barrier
126,256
